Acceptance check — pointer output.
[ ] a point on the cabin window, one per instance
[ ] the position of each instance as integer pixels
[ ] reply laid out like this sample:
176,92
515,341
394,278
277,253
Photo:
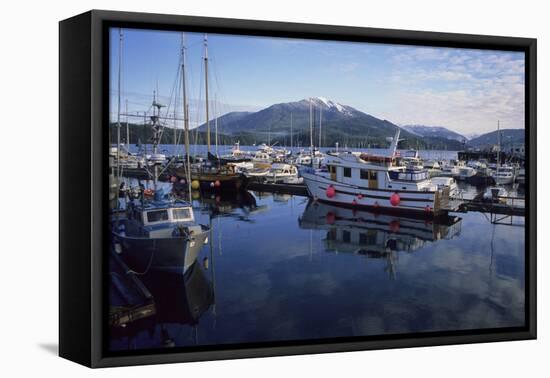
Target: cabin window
181,214
157,216
346,236
347,172
364,174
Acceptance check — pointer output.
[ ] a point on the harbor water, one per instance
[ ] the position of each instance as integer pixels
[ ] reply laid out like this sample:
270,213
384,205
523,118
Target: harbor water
279,268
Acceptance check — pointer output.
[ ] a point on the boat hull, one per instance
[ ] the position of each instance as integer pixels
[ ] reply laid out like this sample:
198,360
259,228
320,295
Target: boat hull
222,183
504,180
419,202
175,254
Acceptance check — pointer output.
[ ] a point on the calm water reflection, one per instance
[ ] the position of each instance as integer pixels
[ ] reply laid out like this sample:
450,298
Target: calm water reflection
279,269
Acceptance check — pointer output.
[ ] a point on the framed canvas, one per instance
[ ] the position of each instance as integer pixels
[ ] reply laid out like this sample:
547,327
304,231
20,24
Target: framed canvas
235,188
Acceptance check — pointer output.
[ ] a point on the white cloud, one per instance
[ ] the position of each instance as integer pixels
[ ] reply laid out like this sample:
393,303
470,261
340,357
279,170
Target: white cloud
464,90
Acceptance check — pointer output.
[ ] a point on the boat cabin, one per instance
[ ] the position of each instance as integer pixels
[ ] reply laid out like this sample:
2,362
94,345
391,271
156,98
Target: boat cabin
165,214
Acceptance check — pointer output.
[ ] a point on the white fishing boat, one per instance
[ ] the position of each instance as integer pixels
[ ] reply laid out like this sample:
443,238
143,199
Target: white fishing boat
448,170
504,175
464,172
281,172
411,160
446,182
432,164
307,159
364,180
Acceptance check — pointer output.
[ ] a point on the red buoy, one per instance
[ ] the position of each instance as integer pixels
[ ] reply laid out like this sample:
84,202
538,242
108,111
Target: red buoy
360,196
331,218
331,192
395,199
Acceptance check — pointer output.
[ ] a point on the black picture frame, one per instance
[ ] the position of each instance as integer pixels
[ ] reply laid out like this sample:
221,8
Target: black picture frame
83,112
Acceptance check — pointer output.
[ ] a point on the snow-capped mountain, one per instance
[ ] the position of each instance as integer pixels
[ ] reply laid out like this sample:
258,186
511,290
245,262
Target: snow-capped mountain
339,123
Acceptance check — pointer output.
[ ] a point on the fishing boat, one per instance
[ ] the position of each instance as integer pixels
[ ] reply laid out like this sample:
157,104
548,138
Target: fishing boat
375,181
448,169
220,178
236,156
504,175
464,173
158,234
446,182
411,159
432,164
282,173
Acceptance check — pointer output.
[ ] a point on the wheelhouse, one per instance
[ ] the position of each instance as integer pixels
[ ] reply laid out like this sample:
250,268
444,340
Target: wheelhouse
163,215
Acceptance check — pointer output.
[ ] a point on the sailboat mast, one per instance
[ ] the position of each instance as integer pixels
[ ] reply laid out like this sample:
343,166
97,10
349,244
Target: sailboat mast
185,118
127,128
216,122
206,90
291,130
118,99
320,124
311,128
498,142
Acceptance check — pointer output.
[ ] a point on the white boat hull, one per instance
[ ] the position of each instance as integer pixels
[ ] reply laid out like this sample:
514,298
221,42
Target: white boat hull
504,180
350,195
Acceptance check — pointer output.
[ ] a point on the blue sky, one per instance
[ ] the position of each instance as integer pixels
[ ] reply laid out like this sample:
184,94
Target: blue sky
462,89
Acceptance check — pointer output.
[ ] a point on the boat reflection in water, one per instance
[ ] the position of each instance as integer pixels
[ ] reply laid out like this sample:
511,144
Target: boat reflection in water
180,302
375,235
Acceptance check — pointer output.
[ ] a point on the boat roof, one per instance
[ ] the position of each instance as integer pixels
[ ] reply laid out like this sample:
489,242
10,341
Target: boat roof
154,205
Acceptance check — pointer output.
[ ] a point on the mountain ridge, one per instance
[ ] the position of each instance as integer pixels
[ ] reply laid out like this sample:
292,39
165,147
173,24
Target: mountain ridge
338,123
